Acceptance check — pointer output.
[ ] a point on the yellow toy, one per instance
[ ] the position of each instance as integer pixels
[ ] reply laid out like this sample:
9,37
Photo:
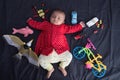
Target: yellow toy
41,13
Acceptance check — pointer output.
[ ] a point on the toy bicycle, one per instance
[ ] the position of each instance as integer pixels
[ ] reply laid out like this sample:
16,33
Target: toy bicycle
98,68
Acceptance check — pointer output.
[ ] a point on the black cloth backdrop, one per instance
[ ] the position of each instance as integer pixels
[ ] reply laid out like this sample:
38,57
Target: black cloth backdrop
14,13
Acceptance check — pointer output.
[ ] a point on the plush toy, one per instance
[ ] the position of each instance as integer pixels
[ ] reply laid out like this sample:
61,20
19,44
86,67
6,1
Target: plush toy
25,31
23,48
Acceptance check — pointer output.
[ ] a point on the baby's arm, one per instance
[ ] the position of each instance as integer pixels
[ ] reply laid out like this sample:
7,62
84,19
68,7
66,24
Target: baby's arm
75,28
36,24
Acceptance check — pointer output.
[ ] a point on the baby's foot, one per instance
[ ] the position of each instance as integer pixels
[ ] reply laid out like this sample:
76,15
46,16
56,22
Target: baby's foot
49,73
64,72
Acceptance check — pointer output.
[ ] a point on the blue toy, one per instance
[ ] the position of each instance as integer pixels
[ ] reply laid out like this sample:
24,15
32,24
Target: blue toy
74,17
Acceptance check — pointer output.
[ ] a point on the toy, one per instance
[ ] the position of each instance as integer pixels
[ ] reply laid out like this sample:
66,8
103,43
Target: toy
98,68
99,24
90,44
23,48
74,17
78,37
92,22
89,65
38,13
41,13
34,10
25,31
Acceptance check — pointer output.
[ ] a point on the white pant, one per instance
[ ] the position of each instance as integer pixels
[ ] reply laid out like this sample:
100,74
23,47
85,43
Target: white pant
64,59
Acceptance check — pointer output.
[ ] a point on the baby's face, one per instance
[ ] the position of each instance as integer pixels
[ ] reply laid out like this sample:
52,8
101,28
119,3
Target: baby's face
57,18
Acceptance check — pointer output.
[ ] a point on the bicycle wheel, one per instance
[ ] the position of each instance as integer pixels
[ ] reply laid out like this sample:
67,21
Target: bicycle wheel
78,52
97,73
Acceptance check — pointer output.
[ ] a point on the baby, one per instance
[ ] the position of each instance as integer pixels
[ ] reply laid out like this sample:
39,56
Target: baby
52,43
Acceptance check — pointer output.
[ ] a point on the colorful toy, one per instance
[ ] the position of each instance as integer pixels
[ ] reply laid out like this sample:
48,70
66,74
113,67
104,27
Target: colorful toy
95,31
40,12
74,17
34,10
99,24
98,68
25,31
23,48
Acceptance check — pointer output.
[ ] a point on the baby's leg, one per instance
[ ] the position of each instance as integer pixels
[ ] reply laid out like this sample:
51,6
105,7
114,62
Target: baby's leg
49,73
65,59
44,62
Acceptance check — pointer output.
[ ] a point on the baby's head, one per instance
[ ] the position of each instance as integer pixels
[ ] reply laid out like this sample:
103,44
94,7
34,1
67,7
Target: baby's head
57,17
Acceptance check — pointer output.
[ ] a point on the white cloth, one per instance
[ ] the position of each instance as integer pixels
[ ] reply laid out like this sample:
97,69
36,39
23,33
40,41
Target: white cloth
64,59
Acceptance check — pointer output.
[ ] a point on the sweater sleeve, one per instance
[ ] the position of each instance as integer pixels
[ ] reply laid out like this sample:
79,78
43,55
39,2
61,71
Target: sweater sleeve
73,29
37,25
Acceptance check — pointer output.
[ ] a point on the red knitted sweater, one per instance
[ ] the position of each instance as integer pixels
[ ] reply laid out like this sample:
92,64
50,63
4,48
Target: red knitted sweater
52,36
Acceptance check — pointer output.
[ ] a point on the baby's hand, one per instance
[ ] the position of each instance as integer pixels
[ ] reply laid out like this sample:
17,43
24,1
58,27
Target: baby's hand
29,19
82,23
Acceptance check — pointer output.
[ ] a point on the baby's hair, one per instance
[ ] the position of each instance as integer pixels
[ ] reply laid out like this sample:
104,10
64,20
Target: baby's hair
53,10
58,10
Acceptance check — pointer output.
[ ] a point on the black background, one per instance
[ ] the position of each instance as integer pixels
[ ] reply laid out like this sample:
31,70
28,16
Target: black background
14,13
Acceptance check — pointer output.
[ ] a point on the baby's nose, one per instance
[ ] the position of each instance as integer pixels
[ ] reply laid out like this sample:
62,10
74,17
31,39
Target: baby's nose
56,18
